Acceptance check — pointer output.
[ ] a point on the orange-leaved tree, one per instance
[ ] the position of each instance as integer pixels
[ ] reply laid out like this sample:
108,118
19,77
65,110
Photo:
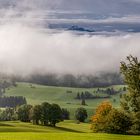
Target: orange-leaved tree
100,117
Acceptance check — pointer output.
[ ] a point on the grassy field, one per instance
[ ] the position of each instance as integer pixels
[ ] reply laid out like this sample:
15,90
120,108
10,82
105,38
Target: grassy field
36,94
67,130
64,136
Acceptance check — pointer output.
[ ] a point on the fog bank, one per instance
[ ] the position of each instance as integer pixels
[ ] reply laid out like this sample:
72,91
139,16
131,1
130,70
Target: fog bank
25,49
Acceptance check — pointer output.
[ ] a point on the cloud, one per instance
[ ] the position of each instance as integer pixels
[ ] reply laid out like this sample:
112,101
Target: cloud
24,50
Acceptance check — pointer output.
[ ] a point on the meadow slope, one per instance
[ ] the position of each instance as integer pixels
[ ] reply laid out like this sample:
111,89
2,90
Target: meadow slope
36,94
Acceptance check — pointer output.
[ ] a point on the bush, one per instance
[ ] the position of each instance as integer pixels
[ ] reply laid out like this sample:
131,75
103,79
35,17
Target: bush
65,114
118,122
81,114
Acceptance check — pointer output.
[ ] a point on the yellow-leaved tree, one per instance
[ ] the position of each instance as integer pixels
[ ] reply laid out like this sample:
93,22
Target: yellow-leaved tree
100,117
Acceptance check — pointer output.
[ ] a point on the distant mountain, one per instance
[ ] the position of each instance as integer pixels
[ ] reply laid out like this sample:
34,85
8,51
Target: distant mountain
81,29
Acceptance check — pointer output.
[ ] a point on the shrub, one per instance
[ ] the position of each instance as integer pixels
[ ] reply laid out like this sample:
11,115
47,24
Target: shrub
118,122
81,114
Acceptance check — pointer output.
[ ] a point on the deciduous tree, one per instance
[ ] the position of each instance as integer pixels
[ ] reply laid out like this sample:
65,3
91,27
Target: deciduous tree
81,114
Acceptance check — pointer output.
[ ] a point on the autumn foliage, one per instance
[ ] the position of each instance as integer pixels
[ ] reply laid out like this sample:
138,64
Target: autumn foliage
110,120
100,117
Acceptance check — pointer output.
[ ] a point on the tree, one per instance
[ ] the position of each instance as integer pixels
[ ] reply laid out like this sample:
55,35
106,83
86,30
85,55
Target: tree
55,114
78,96
65,114
7,114
82,95
36,114
12,101
83,102
114,100
45,113
124,89
117,122
24,113
131,100
100,118
81,114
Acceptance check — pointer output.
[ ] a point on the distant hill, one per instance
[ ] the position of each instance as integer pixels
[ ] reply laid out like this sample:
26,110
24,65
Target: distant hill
64,96
81,29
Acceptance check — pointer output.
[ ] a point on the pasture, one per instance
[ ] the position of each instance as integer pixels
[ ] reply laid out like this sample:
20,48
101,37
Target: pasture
67,130
36,94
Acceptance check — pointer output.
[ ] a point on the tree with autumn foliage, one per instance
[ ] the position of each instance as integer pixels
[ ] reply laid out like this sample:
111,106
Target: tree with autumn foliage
110,120
100,117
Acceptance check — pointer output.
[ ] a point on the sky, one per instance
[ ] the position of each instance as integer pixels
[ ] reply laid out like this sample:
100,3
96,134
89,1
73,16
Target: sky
121,7
101,7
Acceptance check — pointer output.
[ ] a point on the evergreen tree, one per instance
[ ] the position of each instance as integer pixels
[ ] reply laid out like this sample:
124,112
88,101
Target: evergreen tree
82,95
78,96
124,88
65,114
131,100
83,102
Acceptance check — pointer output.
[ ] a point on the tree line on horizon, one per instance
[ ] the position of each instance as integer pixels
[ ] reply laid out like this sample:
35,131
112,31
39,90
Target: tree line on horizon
69,80
12,101
107,93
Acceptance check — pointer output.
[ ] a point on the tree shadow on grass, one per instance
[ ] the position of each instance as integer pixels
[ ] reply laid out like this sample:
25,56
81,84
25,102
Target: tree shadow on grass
3,124
67,129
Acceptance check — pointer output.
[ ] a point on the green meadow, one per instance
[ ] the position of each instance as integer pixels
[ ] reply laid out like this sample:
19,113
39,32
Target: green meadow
36,94
67,130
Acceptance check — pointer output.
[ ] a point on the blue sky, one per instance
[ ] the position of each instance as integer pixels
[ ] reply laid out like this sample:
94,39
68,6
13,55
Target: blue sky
108,10
123,7
107,7
120,7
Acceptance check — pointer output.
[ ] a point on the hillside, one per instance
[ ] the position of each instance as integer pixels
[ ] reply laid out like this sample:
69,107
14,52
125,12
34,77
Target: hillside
36,94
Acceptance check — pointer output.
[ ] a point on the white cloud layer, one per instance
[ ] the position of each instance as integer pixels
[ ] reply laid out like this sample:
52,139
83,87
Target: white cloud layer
24,50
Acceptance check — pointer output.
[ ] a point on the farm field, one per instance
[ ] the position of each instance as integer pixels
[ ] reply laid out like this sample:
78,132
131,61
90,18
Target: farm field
67,130
36,94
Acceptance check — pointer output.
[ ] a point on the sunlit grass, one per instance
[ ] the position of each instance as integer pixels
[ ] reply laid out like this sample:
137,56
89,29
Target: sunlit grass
67,130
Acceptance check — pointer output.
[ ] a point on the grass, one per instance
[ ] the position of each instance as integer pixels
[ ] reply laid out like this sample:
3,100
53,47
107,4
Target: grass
66,126
64,136
67,130
36,94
